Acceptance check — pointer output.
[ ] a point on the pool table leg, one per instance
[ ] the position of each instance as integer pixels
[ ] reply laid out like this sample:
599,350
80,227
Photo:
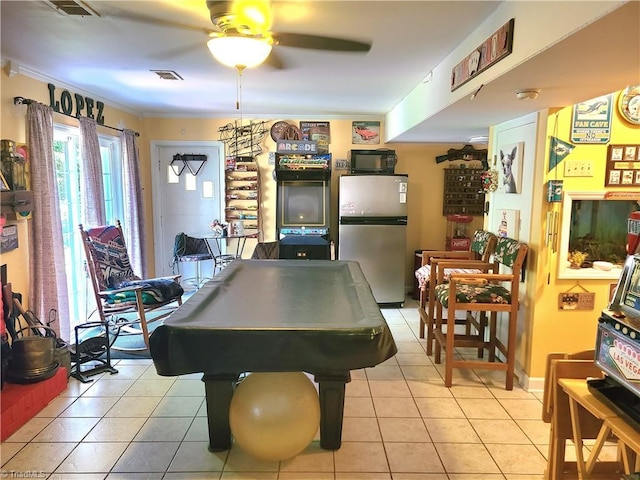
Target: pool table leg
331,392
219,390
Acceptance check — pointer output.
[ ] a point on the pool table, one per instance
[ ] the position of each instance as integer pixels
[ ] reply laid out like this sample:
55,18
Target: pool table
314,316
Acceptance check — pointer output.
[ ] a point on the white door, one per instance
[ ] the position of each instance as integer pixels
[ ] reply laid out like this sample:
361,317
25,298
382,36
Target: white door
185,203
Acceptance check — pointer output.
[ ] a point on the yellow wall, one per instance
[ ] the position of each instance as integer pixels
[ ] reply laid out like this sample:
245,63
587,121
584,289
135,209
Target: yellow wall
426,225
13,127
570,331
550,330
426,228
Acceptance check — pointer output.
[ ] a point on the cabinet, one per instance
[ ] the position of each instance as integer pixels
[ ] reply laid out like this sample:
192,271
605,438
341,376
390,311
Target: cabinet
463,193
242,192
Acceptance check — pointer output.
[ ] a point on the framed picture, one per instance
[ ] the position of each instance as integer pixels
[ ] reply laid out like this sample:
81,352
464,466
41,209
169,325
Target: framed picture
365,133
319,132
627,177
4,186
592,120
614,177
629,153
510,167
507,223
623,168
616,153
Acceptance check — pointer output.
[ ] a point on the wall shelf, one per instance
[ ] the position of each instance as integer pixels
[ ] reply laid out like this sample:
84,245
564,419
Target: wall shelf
463,192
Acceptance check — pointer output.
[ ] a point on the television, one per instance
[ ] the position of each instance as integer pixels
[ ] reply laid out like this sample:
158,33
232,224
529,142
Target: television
303,203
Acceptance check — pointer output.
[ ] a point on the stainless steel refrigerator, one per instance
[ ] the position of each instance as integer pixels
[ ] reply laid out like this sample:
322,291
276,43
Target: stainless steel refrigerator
372,231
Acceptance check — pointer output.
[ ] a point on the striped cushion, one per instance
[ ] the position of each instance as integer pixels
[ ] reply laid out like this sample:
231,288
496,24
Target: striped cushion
424,272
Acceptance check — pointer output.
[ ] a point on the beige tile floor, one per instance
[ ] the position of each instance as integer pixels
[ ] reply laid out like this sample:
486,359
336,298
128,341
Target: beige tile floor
400,423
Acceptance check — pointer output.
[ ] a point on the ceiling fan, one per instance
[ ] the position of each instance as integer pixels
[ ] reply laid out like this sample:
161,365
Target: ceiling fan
242,35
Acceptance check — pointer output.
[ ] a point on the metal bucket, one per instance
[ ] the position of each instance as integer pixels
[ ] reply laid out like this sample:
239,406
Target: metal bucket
32,356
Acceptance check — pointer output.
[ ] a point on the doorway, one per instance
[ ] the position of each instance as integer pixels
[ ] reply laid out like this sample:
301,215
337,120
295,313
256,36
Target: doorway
186,202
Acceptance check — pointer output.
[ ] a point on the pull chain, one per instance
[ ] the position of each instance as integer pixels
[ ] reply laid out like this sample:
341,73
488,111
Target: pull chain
240,69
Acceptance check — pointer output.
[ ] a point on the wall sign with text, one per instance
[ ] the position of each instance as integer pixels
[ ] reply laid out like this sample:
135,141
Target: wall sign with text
592,120
492,50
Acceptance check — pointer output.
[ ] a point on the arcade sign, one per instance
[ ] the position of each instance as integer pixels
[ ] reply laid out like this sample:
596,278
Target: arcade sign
297,146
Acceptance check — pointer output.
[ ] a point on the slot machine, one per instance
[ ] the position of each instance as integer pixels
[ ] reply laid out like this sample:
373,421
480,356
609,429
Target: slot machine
618,346
633,233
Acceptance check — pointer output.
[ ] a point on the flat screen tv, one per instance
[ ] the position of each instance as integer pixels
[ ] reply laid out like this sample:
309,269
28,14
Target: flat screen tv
303,203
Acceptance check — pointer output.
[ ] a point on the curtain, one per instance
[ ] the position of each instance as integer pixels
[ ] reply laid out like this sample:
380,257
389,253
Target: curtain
48,280
134,224
92,188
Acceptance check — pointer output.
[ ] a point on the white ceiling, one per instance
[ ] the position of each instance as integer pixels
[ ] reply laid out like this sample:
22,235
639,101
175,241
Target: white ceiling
110,57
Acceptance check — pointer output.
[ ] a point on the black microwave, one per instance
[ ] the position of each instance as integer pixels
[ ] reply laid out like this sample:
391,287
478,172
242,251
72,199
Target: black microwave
381,161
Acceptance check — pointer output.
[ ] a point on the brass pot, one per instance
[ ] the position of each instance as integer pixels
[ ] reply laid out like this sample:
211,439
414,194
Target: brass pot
33,354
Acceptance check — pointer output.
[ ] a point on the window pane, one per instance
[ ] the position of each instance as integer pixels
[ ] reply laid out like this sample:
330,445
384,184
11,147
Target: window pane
68,175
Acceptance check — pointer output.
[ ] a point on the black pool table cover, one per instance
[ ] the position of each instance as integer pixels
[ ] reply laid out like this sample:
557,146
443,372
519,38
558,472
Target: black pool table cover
276,315
315,316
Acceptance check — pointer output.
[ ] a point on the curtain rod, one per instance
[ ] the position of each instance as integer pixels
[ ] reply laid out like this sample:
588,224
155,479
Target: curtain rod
27,101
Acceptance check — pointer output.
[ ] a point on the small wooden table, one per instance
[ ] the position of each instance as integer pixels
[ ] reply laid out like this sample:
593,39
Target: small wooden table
581,399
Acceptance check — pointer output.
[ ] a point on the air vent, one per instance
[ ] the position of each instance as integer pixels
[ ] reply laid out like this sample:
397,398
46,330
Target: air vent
73,8
167,74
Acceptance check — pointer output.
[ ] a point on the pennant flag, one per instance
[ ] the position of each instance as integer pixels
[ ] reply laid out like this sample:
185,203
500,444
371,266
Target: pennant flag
558,149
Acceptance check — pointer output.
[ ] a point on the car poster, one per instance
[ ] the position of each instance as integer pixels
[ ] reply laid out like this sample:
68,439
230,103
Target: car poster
365,133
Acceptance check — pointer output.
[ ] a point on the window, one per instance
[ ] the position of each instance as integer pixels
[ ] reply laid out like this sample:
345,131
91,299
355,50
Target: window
68,170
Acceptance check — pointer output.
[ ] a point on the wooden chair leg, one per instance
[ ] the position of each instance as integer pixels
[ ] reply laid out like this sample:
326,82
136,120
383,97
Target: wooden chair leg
493,335
438,326
511,348
482,327
430,317
143,318
448,350
422,316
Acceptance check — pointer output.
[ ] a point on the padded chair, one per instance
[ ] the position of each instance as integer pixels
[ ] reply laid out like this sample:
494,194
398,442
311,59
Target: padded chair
474,260
123,299
480,294
191,249
266,251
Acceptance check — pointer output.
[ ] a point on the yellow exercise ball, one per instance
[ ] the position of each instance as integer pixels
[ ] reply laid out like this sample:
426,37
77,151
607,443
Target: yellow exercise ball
274,416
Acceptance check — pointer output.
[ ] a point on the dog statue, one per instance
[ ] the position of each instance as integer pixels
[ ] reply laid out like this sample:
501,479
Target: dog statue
508,180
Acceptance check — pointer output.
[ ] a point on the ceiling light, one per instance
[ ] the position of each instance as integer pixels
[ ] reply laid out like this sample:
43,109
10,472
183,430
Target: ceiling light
239,51
527,94
428,77
479,139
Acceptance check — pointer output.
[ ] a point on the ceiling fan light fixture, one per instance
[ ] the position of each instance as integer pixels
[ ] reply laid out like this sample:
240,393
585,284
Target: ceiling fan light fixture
239,51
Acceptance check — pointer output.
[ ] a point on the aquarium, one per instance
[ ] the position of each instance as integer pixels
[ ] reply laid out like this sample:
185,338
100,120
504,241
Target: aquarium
596,227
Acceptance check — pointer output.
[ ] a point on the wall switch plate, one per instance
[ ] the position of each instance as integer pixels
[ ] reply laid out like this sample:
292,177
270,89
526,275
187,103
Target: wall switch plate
578,168
272,158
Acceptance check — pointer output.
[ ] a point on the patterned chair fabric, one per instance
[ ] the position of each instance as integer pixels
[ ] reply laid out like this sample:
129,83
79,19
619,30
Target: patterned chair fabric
479,244
481,297
483,292
122,298
113,270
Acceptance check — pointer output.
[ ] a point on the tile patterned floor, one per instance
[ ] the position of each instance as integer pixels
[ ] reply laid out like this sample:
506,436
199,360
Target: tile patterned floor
400,423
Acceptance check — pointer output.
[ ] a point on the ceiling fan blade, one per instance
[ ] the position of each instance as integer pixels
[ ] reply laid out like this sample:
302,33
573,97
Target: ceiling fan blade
158,22
275,61
315,42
